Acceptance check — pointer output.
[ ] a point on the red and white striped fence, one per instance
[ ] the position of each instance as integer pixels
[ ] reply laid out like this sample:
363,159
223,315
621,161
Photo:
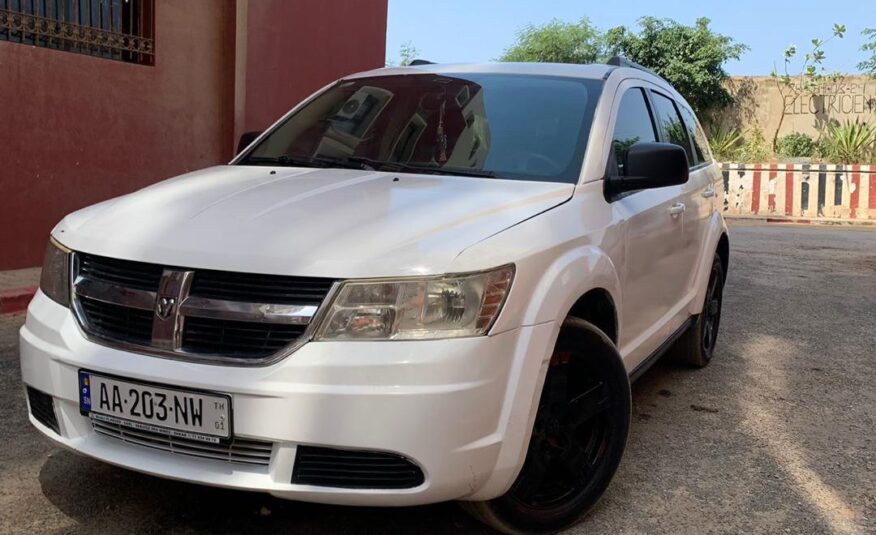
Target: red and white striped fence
808,191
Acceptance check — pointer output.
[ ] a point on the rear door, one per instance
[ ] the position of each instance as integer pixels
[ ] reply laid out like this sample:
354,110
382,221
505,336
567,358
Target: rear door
702,189
691,206
652,236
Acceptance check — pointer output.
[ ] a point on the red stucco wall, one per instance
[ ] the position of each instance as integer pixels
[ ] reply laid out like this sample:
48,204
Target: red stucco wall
317,42
75,130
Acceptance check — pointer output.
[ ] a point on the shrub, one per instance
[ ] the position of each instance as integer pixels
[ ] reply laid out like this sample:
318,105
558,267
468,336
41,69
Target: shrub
754,148
823,149
724,142
849,142
795,145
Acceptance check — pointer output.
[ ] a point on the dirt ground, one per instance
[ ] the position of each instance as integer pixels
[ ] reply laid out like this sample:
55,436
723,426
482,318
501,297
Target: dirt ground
777,435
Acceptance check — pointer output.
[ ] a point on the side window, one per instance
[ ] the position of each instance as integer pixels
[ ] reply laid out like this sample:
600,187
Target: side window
633,125
700,144
671,126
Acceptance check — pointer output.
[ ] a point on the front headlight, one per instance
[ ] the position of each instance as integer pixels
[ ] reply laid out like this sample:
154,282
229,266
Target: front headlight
417,309
55,277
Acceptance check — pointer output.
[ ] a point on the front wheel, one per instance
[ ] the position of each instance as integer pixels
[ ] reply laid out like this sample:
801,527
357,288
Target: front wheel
578,438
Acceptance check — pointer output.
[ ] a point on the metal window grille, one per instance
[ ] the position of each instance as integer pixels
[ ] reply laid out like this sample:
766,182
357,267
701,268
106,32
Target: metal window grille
114,29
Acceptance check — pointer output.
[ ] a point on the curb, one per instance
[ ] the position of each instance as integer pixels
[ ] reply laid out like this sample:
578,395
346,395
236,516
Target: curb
801,221
16,299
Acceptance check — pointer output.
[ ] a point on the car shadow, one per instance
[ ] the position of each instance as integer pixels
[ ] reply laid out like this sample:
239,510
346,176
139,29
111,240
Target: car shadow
104,498
107,499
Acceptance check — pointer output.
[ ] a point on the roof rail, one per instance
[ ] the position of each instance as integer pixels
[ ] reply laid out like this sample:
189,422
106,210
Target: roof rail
620,61
416,62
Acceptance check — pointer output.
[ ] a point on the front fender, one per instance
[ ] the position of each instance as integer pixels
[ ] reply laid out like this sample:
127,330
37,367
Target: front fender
553,294
560,255
572,275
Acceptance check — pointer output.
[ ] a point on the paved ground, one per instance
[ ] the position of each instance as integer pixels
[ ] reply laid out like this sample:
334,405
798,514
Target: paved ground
776,436
19,278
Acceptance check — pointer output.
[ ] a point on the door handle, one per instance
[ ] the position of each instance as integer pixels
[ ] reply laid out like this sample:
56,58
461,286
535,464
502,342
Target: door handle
709,192
676,208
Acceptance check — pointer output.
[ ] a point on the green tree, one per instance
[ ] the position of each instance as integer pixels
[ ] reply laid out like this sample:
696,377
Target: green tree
869,66
407,53
793,82
691,58
557,42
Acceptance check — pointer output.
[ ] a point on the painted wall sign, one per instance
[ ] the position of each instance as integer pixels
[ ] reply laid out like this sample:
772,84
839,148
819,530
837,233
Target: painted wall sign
837,99
760,103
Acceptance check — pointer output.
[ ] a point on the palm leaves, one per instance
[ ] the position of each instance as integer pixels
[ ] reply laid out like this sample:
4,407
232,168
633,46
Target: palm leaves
724,142
849,142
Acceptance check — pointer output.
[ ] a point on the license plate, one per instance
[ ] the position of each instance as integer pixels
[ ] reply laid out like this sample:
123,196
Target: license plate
192,415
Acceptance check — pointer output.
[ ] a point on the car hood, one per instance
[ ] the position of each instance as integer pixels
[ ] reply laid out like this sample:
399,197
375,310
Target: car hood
308,222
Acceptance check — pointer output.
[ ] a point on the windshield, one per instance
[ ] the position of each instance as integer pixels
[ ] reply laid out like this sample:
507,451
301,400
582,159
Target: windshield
488,125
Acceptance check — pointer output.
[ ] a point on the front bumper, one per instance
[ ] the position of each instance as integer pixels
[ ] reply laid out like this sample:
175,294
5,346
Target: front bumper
460,409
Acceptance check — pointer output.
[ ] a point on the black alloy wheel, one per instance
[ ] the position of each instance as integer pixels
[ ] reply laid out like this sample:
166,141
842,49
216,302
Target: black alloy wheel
712,309
697,345
577,440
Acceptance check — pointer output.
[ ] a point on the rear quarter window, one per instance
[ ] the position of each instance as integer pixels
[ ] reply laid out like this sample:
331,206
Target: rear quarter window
700,143
670,123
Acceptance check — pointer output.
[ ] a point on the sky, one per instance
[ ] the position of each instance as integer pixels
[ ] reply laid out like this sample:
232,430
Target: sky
451,31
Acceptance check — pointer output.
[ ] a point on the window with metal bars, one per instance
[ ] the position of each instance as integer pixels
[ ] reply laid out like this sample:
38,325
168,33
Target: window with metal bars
114,29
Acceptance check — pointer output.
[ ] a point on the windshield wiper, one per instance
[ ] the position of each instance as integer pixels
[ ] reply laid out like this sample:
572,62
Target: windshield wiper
285,160
362,162
350,162
385,165
301,160
445,170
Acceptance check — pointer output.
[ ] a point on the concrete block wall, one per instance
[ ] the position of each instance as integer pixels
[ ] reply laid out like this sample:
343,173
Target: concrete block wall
810,191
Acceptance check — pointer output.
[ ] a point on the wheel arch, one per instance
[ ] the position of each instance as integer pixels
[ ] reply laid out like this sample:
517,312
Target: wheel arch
717,242
597,307
514,452
580,278
724,251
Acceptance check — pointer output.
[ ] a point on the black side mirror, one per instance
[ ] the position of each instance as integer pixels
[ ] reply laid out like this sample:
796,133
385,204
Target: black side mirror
650,165
245,139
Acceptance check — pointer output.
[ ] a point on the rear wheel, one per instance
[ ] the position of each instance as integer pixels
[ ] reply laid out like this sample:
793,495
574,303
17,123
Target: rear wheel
577,441
697,345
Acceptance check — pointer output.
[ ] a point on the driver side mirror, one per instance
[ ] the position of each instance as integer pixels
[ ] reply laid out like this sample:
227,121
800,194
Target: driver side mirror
648,166
245,139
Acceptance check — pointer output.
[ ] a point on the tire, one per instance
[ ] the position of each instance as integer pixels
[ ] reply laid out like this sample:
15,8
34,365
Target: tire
578,438
697,345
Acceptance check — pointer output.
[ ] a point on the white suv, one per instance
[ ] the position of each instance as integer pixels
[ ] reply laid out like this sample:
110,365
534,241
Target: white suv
422,284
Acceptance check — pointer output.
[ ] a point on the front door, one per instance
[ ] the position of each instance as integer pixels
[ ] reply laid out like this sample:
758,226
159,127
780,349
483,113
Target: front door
652,228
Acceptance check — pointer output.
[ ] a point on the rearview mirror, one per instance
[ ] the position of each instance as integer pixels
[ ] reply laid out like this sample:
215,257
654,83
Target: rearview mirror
245,139
650,165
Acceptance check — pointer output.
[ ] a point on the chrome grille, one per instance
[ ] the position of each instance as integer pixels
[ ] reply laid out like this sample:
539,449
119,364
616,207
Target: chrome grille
260,288
206,335
230,317
117,322
237,451
120,272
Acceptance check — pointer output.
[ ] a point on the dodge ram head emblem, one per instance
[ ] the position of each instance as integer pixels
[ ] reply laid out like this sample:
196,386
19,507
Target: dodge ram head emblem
164,307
